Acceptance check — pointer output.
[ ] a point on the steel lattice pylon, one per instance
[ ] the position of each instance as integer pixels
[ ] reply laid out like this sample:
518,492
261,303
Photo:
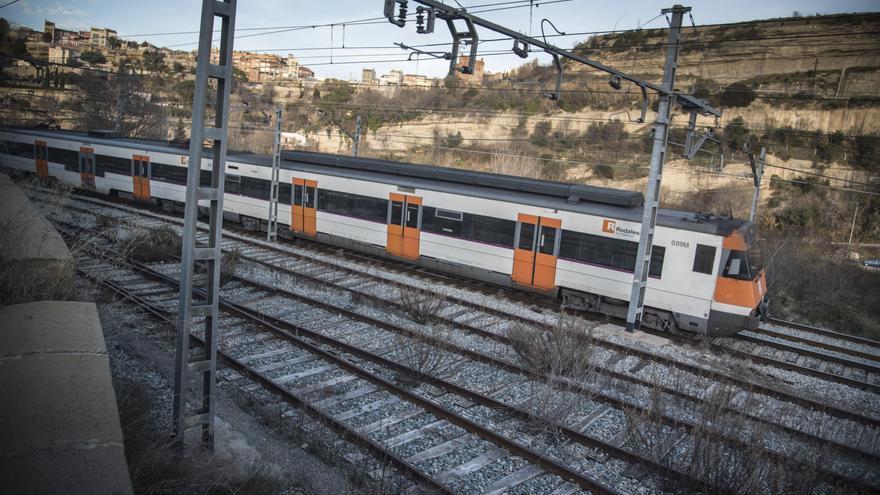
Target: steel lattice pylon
203,306
272,228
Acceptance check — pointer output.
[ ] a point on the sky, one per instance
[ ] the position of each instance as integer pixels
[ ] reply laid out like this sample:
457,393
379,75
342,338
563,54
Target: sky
371,45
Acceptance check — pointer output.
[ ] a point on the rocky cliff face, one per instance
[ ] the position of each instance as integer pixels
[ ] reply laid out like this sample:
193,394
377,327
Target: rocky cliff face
741,51
812,76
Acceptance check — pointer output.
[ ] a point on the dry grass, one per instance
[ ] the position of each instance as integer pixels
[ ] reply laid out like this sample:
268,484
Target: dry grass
151,244
423,307
564,355
563,350
708,452
154,465
27,279
423,353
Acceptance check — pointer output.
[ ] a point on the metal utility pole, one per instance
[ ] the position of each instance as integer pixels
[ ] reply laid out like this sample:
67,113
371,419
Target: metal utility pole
204,309
357,135
757,174
272,229
652,190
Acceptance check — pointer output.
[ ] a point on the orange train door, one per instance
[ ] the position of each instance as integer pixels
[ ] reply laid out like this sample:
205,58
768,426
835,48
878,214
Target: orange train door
305,203
140,176
41,154
536,250
87,167
404,224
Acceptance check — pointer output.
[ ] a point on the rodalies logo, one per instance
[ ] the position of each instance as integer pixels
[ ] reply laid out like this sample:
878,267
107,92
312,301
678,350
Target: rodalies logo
610,227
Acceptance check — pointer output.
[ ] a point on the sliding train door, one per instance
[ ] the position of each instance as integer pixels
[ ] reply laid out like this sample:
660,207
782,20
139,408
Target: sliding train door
41,156
140,175
305,206
536,251
87,167
404,224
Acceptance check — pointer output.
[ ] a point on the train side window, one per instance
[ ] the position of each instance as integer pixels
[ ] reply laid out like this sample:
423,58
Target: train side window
353,205
24,150
449,215
255,188
68,158
111,164
613,253
448,222
704,259
658,254
526,236
310,198
284,193
412,215
396,213
233,184
489,230
547,241
297,195
169,173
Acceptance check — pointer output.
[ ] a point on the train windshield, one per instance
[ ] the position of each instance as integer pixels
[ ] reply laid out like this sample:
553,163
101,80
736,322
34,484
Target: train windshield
744,265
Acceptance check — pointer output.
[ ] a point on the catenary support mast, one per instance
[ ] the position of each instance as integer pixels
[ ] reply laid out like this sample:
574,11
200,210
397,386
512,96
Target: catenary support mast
652,189
272,228
203,308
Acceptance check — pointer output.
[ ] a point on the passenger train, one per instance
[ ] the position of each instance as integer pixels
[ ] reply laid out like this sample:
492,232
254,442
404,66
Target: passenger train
574,242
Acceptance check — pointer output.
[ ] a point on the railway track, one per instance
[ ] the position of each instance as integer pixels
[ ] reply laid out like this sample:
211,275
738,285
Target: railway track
821,338
427,438
780,351
277,298
479,316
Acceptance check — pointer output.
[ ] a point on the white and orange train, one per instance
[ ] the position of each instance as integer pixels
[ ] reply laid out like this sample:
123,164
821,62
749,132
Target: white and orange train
574,242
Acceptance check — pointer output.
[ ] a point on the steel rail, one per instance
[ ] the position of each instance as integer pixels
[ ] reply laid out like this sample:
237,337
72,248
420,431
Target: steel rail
822,331
867,367
830,409
347,433
294,333
510,367
806,370
566,384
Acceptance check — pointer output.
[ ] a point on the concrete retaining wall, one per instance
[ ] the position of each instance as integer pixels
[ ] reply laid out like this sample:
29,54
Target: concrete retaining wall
59,426
35,263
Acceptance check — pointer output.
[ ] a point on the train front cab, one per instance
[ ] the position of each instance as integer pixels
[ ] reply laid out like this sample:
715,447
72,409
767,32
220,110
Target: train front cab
740,299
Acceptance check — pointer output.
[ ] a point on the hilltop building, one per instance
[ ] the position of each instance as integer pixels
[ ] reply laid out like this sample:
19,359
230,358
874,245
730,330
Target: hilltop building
100,37
368,76
393,78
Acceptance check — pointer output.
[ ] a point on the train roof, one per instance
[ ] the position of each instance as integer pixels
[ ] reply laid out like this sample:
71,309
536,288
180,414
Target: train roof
571,192
592,200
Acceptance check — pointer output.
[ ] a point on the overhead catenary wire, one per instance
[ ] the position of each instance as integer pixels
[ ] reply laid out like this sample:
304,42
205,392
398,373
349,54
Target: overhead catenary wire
361,22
